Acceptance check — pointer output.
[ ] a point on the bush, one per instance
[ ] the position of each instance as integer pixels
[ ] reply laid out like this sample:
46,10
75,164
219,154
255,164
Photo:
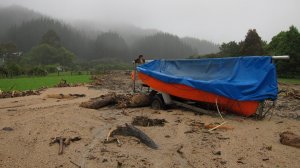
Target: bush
3,72
51,68
37,71
14,69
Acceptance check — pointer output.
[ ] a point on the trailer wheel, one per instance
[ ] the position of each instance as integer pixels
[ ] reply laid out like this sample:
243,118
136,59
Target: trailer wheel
158,103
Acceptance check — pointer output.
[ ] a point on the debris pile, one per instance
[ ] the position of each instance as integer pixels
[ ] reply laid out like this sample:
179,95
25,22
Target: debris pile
96,80
290,93
63,83
147,122
288,102
120,100
112,80
10,94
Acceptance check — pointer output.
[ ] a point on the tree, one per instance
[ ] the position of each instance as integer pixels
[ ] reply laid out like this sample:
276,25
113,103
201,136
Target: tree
49,51
230,49
51,38
14,69
29,34
111,46
9,52
164,45
287,43
252,44
44,54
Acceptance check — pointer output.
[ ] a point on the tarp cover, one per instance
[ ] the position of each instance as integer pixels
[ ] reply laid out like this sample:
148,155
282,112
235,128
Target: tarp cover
239,78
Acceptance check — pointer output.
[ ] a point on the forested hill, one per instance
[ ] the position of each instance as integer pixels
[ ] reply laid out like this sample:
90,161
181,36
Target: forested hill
29,34
15,15
163,45
202,46
25,29
130,33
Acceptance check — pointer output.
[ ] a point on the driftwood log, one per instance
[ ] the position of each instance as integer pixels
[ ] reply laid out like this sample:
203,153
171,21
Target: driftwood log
121,101
130,130
99,102
290,139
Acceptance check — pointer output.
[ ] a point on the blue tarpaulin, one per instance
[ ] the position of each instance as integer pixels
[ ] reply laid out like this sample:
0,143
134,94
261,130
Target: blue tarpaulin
239,78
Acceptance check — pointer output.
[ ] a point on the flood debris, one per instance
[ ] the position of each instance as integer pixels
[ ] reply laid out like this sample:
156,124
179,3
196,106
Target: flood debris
179,150
216,152
147,122
290,139
120,100
290,93
241,160
65,96
7,129
64,83
96,80
130,130
196,124
11,94
63,142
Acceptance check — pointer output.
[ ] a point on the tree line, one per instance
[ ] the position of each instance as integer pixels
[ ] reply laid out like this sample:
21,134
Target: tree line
284,43
44,44
108,45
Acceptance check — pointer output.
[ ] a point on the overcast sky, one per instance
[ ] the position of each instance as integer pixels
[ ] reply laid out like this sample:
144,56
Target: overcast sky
214,20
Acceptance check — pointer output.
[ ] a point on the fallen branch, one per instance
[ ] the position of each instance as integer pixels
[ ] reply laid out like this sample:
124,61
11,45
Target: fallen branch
62,141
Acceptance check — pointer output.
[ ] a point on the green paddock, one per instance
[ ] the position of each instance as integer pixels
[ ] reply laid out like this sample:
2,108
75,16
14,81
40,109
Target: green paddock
27,83
289,81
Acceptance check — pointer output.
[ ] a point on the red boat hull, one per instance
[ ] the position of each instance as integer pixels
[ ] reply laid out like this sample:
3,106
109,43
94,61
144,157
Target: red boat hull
245,108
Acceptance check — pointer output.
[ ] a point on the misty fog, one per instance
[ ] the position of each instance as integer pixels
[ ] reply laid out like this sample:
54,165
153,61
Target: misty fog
213,20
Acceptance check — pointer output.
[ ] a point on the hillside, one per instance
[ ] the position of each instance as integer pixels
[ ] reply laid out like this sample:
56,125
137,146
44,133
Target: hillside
163,45
202,46
15,15
96,41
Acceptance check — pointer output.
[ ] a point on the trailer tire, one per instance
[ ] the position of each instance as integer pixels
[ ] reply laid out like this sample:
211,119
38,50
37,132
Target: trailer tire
158,103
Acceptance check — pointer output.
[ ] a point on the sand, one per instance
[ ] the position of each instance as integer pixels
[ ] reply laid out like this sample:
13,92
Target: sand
36,119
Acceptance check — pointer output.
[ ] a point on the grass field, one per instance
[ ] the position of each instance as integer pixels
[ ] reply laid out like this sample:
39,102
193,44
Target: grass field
26,83
289,81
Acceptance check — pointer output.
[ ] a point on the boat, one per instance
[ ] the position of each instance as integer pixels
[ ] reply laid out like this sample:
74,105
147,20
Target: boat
236,84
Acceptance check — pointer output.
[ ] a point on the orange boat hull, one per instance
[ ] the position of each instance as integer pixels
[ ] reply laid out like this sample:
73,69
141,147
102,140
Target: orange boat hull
245,108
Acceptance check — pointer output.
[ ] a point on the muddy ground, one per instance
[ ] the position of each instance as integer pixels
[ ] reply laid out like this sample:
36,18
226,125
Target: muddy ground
28,123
